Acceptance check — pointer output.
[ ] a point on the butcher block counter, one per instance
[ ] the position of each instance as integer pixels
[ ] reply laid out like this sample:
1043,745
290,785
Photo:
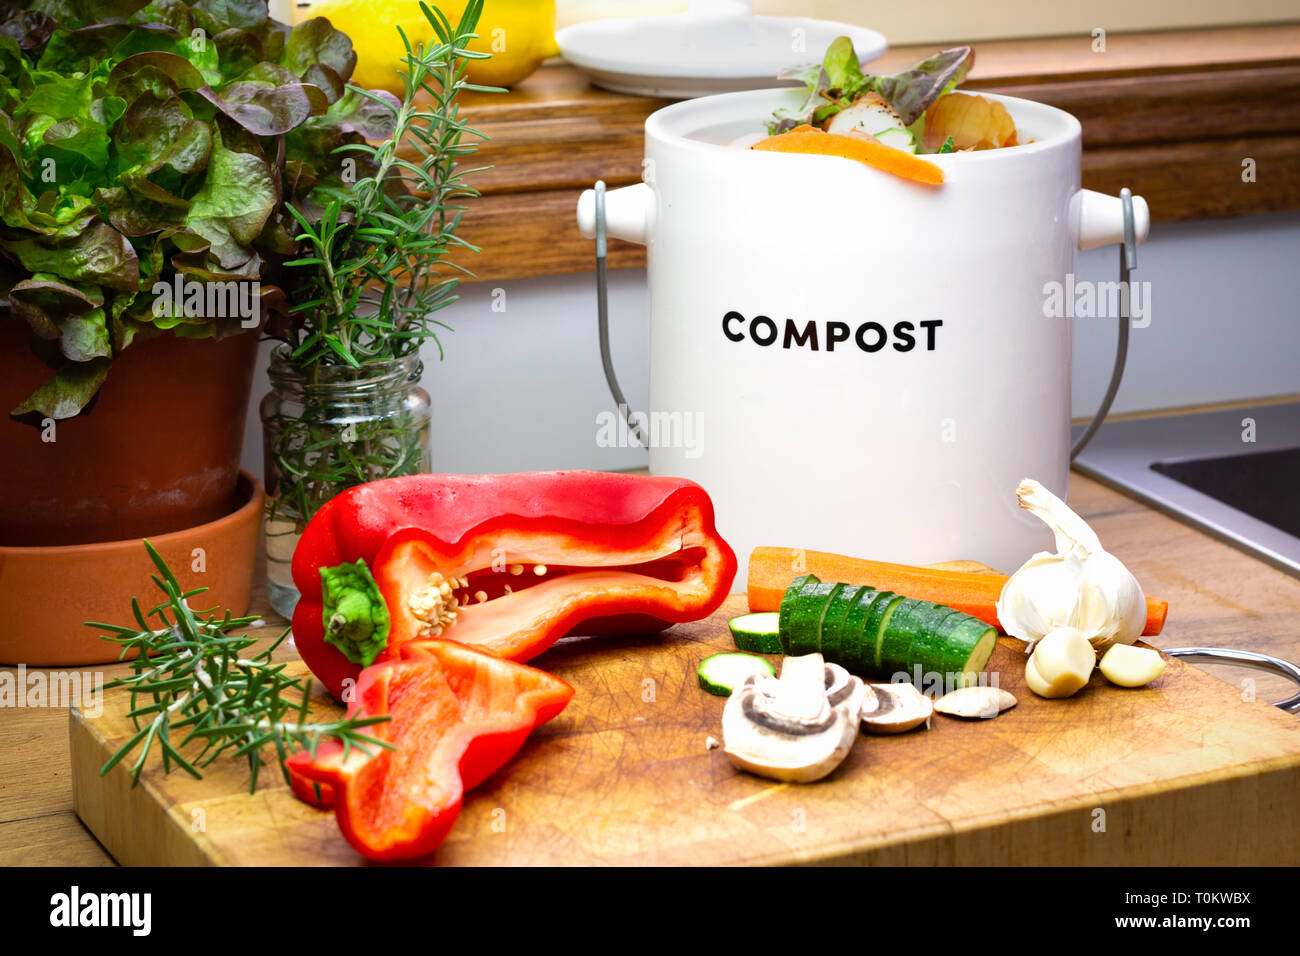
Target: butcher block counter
1218,596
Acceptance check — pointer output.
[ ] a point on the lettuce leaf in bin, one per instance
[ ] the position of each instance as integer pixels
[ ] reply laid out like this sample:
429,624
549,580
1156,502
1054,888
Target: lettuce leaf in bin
839,80
911,92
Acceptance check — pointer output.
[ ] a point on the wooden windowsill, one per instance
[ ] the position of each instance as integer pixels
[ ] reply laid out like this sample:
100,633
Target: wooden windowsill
1172,115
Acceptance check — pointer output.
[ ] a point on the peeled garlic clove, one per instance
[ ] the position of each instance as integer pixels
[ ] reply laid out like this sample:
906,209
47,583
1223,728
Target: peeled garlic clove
1130,666
1036,683
1062,663
973,702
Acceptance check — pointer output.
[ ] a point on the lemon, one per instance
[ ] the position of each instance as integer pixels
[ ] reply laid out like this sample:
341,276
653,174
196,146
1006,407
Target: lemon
519,34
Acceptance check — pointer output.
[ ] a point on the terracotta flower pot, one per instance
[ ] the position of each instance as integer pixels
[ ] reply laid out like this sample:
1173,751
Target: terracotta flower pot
158,452
48,594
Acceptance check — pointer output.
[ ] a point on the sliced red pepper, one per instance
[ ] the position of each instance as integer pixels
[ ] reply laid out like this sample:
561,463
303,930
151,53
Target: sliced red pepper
527,558
308,791
457,716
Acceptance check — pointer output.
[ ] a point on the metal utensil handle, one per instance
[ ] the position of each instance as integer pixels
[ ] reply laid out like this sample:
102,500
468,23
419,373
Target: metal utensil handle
1127,262
1230,655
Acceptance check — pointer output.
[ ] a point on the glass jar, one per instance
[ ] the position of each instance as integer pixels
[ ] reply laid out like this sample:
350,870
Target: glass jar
329,430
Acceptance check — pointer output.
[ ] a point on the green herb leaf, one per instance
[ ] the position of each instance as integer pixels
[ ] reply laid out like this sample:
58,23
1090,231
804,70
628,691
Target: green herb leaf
232,207
192,674
911,92
109,115
66,393
315,41
100,255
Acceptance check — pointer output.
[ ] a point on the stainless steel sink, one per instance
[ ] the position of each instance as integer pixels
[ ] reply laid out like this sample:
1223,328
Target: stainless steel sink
1206,469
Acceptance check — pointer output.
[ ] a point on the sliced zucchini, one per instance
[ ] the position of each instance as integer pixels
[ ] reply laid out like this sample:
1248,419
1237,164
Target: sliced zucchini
873,633
880,633
915,635
757,633
898,138
850,648
789,602
803,633
833,623
723,673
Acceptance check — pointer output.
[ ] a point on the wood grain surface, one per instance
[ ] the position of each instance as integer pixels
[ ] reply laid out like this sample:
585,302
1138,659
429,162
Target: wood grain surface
1183,771
1172,115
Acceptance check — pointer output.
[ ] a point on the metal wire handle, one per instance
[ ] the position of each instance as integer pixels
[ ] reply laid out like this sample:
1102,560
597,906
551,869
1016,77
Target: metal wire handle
1230,655
602,318
1127,262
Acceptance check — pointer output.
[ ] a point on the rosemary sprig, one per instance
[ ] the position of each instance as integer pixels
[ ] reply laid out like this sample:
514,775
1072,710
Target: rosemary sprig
372,275
192,678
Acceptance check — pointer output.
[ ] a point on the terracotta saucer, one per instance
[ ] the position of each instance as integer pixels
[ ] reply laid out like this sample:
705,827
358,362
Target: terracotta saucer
47,594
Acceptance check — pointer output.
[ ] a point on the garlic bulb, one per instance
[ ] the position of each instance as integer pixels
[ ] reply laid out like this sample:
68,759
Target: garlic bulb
1081,586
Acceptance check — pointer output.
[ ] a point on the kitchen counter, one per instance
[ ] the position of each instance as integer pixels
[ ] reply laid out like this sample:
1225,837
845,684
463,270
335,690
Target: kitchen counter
1218,596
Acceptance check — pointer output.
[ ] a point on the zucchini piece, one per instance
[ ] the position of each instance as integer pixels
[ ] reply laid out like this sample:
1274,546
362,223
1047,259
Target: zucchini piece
932,645
897,137
833,623
938,639
982,639
723,673
830,603
757,633
896,639
803,632
850,639
788,605
880,633
915,635
873,631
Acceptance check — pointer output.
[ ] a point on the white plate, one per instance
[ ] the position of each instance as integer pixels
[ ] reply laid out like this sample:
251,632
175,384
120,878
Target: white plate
713,48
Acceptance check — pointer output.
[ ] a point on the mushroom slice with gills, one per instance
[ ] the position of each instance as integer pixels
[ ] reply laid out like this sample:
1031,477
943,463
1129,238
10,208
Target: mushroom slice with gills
786,728
894,709
975,702
842,687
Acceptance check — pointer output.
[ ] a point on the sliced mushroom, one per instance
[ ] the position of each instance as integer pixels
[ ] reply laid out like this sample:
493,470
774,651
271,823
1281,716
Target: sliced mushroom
843,687
894,709
975,702
787,728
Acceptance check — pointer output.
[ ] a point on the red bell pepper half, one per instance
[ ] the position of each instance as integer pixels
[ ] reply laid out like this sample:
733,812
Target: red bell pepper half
504,563
456,717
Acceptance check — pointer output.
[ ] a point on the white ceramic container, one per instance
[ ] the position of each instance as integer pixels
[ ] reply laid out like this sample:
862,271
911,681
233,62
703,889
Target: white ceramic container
904,438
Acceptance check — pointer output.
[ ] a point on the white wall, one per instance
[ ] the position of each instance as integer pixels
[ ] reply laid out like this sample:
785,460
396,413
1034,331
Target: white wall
520,389
1225,318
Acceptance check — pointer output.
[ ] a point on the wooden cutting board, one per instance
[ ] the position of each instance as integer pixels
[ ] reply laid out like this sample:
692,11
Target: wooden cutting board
1181,772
